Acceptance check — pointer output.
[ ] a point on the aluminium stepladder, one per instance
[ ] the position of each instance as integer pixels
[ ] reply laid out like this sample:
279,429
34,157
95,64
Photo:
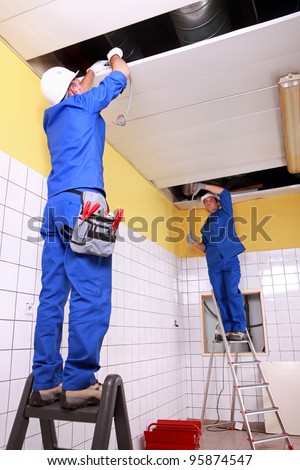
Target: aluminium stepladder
239,388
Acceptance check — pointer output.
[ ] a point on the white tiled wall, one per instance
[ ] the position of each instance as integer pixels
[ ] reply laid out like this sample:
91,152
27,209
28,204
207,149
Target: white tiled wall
143,344
161,364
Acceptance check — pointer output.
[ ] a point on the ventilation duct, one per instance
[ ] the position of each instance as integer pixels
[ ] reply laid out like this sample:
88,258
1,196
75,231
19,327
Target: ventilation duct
120,38
200,20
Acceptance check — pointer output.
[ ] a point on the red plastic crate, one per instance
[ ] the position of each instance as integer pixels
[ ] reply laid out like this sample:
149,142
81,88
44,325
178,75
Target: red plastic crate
173,434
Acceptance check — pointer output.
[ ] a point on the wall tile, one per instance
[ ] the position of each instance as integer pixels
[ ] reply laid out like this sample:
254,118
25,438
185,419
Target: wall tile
7,302
18,172
6,334
34,182
15,197
4,164
10,249
12,223
8,276
3,189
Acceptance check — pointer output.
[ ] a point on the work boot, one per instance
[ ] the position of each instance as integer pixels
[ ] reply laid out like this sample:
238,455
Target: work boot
73,399
45,397
219,337
236,336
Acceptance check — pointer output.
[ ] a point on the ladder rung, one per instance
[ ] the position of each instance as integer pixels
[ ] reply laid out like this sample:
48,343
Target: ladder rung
244,363
241,341
274,437
252,386
261,411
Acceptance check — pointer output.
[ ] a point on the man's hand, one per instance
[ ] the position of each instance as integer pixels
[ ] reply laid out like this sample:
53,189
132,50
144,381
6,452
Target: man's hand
114,51
190,239
99,66
117,63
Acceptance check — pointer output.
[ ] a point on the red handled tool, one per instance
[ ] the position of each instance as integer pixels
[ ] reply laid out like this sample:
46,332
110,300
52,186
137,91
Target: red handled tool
88,210
118,219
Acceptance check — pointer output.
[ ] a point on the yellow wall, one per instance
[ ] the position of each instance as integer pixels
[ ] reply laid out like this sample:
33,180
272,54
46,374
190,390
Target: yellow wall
22,137
22,109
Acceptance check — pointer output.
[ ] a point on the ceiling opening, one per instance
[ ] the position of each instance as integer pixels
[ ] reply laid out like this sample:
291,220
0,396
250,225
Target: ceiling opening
254,181
161,33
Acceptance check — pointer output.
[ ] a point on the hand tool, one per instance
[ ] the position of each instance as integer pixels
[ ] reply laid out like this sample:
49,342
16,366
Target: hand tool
88,210
118,219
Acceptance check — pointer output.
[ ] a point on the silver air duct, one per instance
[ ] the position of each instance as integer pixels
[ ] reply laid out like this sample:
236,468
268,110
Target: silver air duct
120,38
201,20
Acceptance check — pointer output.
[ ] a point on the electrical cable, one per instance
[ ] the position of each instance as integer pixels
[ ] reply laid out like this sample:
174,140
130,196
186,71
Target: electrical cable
121,119
255,11
215,425
188,248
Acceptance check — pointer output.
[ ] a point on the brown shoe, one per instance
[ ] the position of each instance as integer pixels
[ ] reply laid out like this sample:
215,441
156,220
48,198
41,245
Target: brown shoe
219,337
45,397
236,336
73,399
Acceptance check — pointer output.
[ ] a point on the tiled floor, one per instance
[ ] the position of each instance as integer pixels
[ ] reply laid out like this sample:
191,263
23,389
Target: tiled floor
216,438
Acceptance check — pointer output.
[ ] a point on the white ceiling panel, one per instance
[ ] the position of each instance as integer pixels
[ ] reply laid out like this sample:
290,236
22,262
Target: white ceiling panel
35,28
18,7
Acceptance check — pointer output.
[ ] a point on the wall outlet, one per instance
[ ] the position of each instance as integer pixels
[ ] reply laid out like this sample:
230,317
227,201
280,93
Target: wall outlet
29,309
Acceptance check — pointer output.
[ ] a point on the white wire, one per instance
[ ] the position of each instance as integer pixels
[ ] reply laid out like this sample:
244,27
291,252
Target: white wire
122,118
189,245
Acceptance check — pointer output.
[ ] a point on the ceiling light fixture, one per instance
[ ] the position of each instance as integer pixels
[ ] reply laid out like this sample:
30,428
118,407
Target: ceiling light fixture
289,94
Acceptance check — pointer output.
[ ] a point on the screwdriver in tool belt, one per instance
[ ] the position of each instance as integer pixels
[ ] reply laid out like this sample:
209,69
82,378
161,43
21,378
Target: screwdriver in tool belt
118,219
88,210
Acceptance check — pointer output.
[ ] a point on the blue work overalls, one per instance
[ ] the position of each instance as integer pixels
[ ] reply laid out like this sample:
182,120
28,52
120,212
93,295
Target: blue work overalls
76,138
222,247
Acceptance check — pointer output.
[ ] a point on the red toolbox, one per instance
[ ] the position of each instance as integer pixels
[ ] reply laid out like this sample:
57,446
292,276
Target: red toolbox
173,434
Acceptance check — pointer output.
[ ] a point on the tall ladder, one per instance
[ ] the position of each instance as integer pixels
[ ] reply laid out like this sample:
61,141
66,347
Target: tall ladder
112,405
239,388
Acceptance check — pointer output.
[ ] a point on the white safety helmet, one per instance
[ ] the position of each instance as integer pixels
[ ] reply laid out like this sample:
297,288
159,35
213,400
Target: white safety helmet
210,195
55,83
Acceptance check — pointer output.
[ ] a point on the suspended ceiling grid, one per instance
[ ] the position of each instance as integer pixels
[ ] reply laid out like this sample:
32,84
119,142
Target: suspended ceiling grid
199,112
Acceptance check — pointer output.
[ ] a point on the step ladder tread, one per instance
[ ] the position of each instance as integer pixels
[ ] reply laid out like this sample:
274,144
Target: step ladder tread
261,411
244,363
238,342
54,411
257,385
274,437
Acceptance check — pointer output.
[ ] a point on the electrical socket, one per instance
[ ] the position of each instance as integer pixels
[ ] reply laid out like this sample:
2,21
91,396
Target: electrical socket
29,308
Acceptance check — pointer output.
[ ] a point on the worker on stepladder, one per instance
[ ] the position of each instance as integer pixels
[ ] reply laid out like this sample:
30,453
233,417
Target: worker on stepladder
75,133
222,246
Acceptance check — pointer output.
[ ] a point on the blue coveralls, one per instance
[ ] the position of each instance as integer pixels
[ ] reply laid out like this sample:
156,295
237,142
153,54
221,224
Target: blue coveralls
76,137
222,247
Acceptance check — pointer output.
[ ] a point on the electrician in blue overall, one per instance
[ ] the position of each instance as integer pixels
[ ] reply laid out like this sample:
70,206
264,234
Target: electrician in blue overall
222,246
75,133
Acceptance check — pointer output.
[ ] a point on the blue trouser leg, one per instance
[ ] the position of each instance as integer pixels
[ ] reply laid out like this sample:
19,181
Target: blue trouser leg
218,284
232,277
90,307
225,277
88,278
47,361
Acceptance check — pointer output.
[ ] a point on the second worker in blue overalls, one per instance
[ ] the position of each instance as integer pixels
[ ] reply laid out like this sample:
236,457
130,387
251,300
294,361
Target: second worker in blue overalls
222,246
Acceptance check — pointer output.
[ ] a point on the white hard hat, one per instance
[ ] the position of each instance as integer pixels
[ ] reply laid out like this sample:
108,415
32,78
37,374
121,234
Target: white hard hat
210,195
55,83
